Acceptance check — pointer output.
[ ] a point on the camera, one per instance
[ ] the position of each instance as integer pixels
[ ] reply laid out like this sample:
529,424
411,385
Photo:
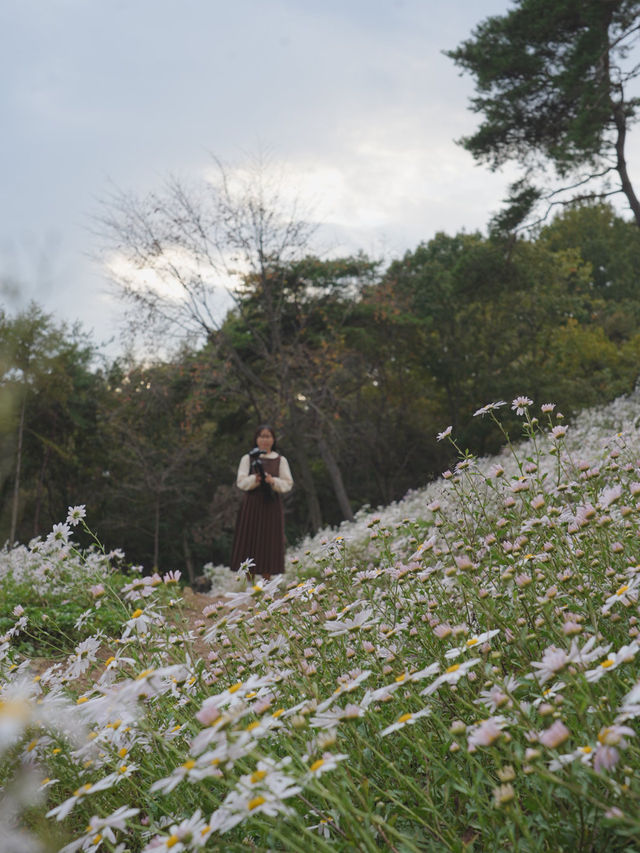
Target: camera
256,463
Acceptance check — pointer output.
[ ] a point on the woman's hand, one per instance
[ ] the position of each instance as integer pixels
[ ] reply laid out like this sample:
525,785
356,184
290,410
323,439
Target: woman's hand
269,479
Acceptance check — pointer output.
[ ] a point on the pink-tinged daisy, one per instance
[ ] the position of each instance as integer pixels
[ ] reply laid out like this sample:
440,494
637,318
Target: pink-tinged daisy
485,733
624,655
583,754
472,642
76,514
329,761
521,404
626,595
100,829
360,621
451,675
490,407
89,788
555,735
403,720
559,431
609,496
189,834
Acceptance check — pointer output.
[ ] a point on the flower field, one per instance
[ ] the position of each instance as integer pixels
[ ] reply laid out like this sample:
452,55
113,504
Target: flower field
458,671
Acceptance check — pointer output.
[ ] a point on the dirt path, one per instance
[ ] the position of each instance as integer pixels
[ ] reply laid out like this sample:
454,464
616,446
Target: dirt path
191,613
195,602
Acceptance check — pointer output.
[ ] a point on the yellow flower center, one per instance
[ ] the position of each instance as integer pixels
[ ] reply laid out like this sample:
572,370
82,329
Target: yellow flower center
258,776
278,712
189,765
453,667
472,641
404,718
235,687
607,663
172,840
317,765
253,725
622,589
136,613
255,802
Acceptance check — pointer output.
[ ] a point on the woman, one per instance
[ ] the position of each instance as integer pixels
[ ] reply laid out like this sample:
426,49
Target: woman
259,533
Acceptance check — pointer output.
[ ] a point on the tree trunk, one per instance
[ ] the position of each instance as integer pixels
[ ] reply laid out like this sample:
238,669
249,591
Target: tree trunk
336,478
36,513
308,486
621,164
188,561
156,534
16,482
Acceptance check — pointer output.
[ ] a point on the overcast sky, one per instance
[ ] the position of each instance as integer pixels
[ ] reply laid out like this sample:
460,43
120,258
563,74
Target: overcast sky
353,96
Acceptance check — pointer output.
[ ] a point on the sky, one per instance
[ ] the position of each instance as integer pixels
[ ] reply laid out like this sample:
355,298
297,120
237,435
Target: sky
353,98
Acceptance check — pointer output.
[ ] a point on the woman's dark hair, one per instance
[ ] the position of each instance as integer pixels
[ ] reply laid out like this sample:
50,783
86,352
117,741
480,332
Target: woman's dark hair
259,430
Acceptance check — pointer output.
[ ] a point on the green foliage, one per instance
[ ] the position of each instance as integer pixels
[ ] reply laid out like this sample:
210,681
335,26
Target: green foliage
488,317
608,243
51,630
51,441
550,82
358,367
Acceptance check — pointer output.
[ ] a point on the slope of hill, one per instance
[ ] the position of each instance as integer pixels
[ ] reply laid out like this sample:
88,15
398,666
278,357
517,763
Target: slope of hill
461,672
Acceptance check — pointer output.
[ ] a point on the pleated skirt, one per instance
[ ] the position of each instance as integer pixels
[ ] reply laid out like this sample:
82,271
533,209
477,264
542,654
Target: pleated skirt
259,533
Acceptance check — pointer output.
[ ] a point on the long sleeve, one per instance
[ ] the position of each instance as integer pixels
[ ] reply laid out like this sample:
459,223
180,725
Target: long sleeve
284,482
245,479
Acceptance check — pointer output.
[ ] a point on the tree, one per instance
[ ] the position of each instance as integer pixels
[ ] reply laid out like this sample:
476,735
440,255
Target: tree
606,241
180,247
159,459
303,343
552,80
47,418
481,315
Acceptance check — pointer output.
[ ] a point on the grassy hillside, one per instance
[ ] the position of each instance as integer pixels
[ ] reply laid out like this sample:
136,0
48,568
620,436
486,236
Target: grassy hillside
457,671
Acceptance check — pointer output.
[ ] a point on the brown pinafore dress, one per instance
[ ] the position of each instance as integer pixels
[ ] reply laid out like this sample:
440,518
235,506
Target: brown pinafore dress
259,532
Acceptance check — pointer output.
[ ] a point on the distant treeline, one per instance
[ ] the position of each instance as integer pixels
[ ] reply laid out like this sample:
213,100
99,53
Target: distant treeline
357,366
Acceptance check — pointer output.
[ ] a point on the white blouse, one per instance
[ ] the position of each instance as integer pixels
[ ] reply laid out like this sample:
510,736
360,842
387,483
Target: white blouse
247,481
